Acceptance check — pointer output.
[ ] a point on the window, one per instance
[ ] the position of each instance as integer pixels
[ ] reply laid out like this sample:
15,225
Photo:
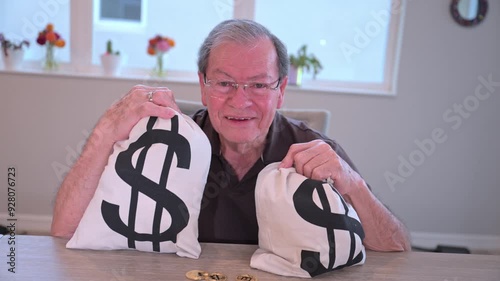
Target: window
168,18
356,41
124,10
120,15
331,34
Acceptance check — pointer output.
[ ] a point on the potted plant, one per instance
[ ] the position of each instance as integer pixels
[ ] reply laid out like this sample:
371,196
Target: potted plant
12,53
300,62
111,60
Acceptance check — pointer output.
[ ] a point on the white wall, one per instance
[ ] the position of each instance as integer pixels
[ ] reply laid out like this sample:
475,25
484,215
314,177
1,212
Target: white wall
454,191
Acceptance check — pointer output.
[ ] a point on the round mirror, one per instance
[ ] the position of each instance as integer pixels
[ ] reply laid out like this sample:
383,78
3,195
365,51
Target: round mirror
468,12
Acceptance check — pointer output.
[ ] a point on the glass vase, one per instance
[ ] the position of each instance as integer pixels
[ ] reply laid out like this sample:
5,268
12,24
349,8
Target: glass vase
50,60
158,70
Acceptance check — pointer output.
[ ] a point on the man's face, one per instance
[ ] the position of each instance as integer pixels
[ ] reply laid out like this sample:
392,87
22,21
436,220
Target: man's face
239,116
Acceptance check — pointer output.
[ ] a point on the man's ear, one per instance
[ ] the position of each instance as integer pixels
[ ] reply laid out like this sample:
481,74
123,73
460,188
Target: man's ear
281,98
201,77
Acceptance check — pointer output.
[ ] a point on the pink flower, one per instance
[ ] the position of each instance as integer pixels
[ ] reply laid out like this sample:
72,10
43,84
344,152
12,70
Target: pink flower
163,46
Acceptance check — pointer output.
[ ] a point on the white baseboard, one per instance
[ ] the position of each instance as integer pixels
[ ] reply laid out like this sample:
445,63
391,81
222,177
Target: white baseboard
470,241
30,224
40,224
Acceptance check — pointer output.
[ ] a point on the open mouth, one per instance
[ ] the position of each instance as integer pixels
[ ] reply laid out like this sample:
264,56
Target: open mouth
232,118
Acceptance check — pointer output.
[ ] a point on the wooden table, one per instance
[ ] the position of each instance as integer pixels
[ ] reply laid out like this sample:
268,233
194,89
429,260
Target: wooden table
46,258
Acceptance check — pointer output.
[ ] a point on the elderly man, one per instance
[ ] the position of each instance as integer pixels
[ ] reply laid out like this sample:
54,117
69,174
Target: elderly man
242,71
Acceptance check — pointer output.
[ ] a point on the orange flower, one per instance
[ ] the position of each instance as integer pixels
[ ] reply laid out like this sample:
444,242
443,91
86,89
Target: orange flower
151,50
60,43
160,45
51,36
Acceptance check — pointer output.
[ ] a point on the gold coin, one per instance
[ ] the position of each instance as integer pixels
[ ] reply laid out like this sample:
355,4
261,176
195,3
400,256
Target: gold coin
196,274
246,277
216,276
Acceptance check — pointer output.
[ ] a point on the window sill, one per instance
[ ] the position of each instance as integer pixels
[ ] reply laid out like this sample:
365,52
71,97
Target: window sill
143,76
95,71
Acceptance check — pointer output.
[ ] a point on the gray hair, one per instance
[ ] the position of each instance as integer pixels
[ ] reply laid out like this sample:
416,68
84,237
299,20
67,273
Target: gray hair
244,32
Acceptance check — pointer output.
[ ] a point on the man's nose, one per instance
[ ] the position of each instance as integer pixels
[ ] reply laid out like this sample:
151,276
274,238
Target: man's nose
241,97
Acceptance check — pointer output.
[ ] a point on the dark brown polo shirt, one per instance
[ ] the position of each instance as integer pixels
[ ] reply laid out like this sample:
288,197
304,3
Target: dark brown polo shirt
228,207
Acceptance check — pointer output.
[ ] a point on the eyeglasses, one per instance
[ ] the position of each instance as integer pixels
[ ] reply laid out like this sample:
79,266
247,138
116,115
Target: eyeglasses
224,87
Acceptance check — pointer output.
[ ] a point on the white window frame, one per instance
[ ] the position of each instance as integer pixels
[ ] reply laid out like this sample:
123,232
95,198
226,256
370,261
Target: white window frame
82,19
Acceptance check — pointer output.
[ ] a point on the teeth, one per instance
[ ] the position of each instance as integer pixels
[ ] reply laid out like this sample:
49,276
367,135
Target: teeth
236,118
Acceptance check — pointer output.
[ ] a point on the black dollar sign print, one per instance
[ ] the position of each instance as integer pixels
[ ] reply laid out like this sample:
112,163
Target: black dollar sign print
323,217
164,198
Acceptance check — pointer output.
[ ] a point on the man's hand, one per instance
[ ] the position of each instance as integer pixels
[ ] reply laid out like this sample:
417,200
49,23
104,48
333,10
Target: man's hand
118,120
317,160
80,184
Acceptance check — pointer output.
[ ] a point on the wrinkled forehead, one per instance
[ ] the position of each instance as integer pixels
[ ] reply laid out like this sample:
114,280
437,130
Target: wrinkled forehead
244,60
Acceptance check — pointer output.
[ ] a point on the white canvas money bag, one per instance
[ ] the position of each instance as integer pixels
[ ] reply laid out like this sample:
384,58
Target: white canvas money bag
306,228
149,195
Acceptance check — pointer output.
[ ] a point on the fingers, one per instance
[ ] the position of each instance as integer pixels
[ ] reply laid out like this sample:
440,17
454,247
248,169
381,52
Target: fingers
164,97
141,101
155,101
315,159
152,109
320,167
287,162
318,161
294,154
